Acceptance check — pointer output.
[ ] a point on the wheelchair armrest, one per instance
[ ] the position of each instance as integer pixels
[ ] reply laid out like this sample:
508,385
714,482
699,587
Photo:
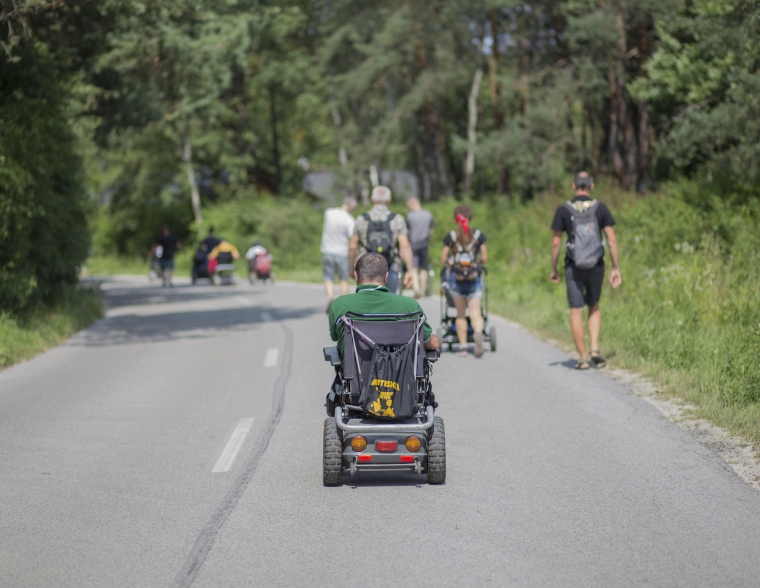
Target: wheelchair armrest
433,356
331,354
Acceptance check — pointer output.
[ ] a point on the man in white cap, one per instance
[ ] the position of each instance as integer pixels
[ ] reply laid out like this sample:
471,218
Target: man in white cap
384,232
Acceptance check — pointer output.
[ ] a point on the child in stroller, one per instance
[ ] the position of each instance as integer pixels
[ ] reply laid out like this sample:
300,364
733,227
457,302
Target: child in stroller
259,264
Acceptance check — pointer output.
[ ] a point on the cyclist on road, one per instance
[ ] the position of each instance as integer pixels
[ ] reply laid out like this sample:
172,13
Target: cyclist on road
169,244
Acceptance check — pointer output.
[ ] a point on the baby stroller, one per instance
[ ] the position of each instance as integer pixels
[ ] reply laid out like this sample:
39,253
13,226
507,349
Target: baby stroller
260,268
447,332
200,269
381,408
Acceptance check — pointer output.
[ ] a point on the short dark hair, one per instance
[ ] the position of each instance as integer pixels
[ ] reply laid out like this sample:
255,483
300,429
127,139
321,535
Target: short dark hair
211,230
583,181
371,268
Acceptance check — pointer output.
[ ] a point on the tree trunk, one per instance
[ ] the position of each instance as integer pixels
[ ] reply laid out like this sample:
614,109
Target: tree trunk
275,139
195,197
438,142
643,180
342,157
495,88
615,159
472,123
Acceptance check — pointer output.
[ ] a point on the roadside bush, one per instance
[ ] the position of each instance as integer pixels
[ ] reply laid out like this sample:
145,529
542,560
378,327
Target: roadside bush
43,229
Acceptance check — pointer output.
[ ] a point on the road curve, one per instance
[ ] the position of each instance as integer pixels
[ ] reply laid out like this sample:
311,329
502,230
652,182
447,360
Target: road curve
177,442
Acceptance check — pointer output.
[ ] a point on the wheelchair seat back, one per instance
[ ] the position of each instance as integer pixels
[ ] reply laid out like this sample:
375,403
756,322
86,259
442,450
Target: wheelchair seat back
357,351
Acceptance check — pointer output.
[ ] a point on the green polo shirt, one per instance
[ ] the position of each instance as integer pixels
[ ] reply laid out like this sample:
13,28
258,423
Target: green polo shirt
371,299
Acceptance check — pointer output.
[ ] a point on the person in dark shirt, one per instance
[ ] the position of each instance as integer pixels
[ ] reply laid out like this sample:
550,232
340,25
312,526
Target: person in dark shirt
169,244
584,286
211,240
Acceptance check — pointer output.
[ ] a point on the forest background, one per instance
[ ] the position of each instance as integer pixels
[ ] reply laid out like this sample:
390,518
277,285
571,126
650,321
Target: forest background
117,116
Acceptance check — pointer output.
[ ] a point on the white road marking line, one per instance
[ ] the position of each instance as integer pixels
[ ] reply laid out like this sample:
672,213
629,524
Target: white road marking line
224,463
244,300
270,360
266,317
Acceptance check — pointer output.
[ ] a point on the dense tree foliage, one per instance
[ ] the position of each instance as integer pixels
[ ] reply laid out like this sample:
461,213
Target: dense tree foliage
170,105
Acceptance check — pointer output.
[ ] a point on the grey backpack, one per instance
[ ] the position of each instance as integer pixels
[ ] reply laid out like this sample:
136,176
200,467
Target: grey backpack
586,247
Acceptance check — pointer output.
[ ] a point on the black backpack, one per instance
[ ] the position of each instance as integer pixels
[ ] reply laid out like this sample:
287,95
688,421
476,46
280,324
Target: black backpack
380,237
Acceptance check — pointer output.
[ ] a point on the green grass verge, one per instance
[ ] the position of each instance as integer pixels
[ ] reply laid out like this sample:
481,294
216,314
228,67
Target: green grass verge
22,336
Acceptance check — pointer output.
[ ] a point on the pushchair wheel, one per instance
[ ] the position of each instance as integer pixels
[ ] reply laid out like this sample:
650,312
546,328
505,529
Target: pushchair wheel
436,462
332,455
492,337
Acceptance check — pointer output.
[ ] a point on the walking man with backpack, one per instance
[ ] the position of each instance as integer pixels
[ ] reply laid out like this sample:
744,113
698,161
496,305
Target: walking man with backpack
384,232
584,219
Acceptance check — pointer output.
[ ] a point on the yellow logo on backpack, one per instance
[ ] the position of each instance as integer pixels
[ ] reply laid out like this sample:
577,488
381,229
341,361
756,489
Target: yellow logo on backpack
384,397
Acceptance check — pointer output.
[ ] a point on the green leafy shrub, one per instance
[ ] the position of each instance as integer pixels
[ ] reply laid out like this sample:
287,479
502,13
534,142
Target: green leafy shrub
43,229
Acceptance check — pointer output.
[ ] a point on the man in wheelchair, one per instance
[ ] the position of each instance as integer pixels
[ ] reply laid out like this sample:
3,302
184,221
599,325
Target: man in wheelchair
381,407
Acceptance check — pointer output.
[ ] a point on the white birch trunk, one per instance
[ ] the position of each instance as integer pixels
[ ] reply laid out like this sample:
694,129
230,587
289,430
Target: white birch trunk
195,197
472,123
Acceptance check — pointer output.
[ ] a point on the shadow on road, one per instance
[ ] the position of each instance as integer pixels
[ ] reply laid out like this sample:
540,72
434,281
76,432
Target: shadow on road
568,363
196,324
117,297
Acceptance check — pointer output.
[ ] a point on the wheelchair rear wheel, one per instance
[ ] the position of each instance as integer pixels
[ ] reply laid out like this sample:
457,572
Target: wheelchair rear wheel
492,337
436,462
332,455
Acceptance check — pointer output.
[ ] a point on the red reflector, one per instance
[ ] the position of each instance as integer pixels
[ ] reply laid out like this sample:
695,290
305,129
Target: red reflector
407,459
386,446
364,457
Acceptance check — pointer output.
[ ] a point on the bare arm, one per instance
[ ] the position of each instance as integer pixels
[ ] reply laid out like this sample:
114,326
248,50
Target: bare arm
433,343
405,251
152,251
615,278
483,253
556,245
353,249
445,255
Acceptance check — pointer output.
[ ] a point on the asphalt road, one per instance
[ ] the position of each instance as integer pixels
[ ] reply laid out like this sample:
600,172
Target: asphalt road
118,464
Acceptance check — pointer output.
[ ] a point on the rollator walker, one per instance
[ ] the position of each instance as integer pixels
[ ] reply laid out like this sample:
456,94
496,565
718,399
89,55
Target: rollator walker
377,422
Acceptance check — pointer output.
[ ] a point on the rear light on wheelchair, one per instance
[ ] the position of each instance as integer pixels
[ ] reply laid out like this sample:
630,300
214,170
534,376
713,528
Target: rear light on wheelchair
358,443
412,444
363,458
386,446
407,459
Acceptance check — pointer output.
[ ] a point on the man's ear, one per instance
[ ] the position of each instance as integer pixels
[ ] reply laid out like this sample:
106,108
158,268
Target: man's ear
386,278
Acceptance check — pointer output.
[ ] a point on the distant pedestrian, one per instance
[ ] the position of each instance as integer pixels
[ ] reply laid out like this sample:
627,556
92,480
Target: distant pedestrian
384,232
336,233
420,225
168,244
464,256
583,220
211,240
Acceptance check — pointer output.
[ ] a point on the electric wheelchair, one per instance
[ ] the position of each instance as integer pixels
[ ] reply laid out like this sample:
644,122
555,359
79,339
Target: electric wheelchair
381,408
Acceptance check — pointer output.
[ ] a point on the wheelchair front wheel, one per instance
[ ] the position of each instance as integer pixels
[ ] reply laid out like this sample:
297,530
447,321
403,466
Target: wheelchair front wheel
332,454
492,337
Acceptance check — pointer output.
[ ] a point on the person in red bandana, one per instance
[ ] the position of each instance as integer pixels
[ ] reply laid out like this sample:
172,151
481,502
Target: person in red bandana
464,254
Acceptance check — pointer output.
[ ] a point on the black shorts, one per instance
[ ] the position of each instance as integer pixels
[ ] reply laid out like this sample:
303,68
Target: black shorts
584,287
420,258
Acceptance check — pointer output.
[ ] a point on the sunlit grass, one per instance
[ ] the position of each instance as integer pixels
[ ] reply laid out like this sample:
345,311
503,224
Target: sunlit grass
24,335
